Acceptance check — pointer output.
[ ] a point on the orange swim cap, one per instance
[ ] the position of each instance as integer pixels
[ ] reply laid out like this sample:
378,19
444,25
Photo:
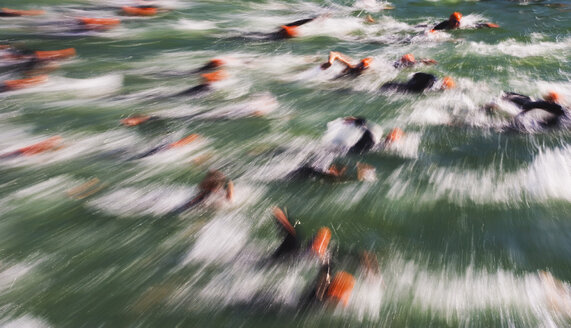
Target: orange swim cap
448,83
321,241
184,141
135,120
99,21
42,146
214,76
24,83
394,135
552,96
366,62
407,59
291,31
217,62
55,54
136,11
341,287
456,16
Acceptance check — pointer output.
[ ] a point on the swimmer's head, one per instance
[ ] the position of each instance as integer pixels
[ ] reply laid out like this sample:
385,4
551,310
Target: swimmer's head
407,59
135,120
394,135
448,83
456,16
365,62
552,96
321,241
213,181
341,288
455,19
216,62
290,31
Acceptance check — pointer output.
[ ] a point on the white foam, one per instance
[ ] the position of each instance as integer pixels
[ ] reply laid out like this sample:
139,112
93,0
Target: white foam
220,240
26,321
193,25
156,200
547,177
559,49
79,87
10,275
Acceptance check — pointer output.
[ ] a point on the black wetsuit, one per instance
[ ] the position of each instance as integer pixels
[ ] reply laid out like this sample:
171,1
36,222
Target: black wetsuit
352,72
5,14
289,246
199,89
365,143
445,25
211,65
400,64
418,83
527,104
309,172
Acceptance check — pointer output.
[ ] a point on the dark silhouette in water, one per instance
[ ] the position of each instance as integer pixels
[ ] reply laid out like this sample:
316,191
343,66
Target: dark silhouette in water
213,182
351,70
548,104
453,22
418,83
284,32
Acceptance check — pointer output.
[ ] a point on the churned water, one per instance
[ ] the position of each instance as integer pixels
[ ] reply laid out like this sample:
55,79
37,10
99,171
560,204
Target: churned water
468,214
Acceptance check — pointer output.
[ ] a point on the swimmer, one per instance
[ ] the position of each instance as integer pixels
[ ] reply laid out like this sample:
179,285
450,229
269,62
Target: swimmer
367,140
211,65
355,135
291,244
330,290
550,103
166,146
11,85
408,60
206,85
454,23
138,120
88,24
419,83
143,10
51,144
286,31
6,12
33,62
351,70
334,173
215,182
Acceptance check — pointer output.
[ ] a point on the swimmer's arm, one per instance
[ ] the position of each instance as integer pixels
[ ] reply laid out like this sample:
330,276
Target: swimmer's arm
333,56
428,61
301,21
490,25
230,190
442,26
543,105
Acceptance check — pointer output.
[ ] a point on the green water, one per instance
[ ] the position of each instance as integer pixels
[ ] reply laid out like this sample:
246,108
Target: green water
463,214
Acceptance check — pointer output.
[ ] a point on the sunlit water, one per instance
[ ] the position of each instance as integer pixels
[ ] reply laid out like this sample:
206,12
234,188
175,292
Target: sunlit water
464,212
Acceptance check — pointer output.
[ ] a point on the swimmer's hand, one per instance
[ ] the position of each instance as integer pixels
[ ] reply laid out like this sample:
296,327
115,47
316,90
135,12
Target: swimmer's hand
491,25
429,61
